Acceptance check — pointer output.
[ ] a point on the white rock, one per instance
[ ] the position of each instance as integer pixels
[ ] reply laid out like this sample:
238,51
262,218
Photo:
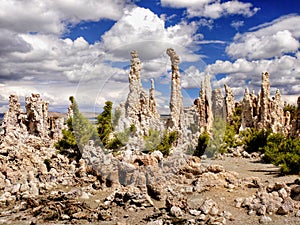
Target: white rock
176,211
265,220
195,212
84,195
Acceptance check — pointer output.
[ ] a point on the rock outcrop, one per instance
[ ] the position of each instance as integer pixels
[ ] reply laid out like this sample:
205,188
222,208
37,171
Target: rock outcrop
204,106
19,125
140,109
176,104
218,104
295,130
229,103
14,120
37,116
263,112
247,110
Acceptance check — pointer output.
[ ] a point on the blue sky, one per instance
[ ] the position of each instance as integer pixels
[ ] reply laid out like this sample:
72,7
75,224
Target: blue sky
60,48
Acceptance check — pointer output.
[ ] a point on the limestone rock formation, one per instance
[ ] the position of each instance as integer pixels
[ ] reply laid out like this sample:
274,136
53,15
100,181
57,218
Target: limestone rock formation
247,111
176,104
218,104
263,112
204,106
14,119
140,109
295,130
152,101
229,103
18,125
276,113
37,115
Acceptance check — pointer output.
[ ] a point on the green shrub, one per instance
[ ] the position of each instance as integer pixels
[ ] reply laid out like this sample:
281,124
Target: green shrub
167,142
216,141
115,118
284,152
119,140
229,139
79,132
203,142
152,140
254,140
104,123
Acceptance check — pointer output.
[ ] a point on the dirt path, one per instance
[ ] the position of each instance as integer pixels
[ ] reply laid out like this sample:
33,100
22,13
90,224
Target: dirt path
268,174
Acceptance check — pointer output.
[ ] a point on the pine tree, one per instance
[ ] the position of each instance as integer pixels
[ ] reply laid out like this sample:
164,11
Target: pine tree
79,132
104,123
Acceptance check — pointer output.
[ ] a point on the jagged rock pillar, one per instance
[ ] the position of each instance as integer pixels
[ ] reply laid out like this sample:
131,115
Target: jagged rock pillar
247,111
276,113
14,119
229,103
176,105
218,104
140,109
132,104
265,101
37,116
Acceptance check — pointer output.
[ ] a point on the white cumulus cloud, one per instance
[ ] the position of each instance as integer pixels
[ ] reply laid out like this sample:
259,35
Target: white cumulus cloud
268,40
144,31
212,8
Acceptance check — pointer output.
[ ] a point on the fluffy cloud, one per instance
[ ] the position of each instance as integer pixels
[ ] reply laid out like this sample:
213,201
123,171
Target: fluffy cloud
54,15
35,58
237,24
212,8
269,40
144,31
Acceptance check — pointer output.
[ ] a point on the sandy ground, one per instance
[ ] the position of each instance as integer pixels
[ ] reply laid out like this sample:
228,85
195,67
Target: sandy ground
225,199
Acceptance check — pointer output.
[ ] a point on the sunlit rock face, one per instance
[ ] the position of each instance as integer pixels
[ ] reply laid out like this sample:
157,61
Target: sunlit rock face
18,125
140,109
229,103
176,105
264,112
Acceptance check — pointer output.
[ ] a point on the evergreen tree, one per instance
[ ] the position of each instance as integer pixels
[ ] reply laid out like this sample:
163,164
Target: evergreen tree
104,123
79,132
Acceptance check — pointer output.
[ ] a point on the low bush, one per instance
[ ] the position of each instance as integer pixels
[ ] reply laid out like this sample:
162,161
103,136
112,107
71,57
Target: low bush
203,142
167,142
284,152
254,140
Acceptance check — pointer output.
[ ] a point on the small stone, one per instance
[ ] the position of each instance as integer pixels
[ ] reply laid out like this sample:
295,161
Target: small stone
262,210
238,202
246,154
85,195
231,186
298,213
65,217
227,215
282,193
195,212
214,211
265,220
215,168
176,211
15,188
207,206
156,222
286,207
203,217
80,215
